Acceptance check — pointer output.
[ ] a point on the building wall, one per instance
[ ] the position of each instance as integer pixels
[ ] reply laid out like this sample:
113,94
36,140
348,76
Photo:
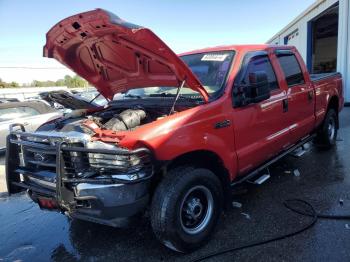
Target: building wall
296,31
300,41
343,56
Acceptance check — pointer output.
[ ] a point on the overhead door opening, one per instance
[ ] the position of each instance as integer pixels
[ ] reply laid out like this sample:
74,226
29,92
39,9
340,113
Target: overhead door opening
324,41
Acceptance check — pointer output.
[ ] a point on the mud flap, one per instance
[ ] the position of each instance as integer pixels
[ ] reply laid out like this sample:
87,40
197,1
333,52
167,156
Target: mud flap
11,162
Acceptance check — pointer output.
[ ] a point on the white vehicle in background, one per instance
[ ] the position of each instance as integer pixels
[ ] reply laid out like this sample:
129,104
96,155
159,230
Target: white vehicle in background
8,100
31,114
66,101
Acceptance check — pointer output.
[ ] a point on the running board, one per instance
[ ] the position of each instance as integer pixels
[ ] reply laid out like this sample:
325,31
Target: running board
264,176
262,179
256,172
299,152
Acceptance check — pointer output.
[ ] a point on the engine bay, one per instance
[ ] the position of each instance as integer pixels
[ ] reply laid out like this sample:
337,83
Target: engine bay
114,117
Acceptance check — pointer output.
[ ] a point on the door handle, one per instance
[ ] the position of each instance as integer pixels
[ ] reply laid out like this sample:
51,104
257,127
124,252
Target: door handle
285,105
310,95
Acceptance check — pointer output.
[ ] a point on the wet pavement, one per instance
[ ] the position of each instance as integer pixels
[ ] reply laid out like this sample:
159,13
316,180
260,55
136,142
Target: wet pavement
30,234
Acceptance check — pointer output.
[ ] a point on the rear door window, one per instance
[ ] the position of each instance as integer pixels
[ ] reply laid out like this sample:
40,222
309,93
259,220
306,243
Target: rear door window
291,69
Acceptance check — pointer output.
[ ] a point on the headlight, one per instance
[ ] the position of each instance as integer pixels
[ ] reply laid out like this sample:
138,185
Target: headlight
116,162
102,161
113,161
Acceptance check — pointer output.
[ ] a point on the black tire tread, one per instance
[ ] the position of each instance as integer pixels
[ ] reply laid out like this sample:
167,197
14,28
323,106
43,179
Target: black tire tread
322,139
165,198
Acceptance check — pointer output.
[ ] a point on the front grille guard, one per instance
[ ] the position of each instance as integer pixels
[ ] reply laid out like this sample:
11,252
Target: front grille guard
15,145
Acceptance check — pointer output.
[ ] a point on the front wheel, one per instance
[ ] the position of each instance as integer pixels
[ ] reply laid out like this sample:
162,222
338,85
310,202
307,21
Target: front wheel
327,134
186,207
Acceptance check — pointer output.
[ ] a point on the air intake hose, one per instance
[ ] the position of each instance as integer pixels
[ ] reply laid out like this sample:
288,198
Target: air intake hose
126,120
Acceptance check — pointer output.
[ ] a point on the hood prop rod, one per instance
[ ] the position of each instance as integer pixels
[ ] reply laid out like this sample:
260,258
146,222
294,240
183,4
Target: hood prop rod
177,96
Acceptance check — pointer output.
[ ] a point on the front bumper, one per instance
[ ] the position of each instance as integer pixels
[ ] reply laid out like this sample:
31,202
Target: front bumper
104,199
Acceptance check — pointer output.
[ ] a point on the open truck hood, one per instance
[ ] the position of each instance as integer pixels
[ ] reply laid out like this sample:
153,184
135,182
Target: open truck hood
115,56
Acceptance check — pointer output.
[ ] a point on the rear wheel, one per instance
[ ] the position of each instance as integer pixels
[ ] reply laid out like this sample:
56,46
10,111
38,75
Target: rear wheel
186,207
327,134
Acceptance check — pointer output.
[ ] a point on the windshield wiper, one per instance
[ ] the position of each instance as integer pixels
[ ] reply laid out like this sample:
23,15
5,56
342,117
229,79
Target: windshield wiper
174,95
164,94
192,99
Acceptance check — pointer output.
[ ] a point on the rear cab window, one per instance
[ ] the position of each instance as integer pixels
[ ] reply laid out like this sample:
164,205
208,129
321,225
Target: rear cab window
290,67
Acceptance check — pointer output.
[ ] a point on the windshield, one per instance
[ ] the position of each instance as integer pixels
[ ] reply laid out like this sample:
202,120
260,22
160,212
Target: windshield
211,69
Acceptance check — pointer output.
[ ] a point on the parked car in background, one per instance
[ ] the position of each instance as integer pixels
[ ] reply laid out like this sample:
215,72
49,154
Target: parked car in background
64,100
30,114
8,100
33,99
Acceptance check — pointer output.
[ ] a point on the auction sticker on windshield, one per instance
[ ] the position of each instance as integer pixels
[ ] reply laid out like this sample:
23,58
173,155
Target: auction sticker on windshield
214,57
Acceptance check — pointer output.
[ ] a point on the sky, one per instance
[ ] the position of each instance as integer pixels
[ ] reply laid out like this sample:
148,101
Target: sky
183,24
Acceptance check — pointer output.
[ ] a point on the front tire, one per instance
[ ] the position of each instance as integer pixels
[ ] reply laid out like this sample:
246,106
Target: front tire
186,207
327,134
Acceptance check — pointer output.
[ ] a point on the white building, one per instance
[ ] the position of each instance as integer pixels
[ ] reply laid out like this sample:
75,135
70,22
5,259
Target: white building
322,35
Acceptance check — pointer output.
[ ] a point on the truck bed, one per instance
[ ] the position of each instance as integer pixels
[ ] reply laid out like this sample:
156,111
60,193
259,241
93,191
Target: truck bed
322,76
326,86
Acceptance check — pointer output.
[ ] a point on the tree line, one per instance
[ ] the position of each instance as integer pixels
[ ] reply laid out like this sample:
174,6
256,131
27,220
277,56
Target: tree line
69,81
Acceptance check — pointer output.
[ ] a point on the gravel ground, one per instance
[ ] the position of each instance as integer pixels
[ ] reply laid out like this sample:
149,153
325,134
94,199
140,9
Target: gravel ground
30,234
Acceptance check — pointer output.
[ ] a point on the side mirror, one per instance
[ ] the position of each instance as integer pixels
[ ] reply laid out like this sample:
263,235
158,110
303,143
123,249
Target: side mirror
258,89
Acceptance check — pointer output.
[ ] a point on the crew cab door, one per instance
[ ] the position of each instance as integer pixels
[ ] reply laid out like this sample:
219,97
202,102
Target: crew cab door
300,105
260,129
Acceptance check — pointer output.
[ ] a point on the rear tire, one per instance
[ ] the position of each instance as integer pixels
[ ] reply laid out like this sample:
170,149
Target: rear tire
327,134
186,207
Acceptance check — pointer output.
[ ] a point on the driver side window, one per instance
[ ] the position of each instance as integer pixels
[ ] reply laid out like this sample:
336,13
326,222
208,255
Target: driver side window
255,79
261,63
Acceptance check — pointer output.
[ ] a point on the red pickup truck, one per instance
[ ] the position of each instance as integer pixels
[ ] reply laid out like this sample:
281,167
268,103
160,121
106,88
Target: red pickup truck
178,133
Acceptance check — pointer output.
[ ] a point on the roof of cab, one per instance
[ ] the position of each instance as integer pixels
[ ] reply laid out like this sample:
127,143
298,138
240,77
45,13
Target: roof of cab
237,48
